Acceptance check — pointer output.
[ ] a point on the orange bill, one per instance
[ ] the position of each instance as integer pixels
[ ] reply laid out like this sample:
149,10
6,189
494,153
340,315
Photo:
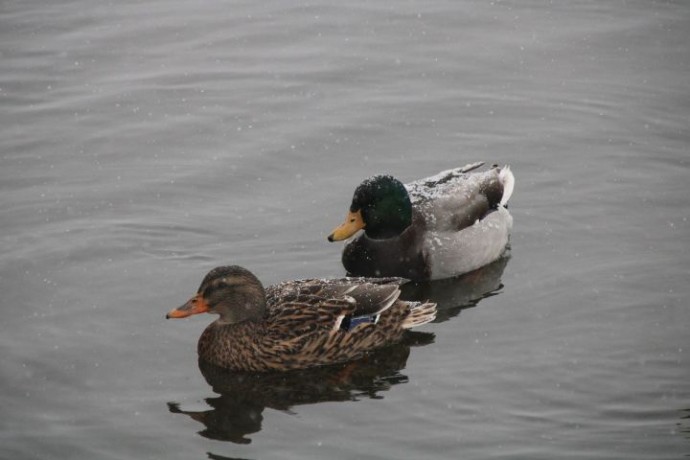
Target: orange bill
194,306
353,223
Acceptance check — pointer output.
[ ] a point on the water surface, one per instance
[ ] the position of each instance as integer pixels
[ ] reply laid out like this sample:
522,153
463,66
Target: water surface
143,143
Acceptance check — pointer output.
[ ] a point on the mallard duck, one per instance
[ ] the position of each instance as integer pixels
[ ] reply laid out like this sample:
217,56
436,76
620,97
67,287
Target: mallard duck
433,228
298,324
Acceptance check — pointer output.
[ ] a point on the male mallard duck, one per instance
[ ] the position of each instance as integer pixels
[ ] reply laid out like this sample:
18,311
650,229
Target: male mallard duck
438,227
298,324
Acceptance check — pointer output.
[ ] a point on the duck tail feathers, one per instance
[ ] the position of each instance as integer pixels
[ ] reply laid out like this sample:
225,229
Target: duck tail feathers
508,180
420,313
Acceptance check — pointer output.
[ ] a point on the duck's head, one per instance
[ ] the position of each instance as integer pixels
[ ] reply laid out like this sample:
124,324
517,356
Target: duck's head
232,292
381,206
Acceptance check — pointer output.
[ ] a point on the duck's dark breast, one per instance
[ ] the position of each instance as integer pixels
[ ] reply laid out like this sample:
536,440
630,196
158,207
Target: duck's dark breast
399,256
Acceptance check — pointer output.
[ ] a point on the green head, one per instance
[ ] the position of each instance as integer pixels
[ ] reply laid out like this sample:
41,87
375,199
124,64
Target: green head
381,206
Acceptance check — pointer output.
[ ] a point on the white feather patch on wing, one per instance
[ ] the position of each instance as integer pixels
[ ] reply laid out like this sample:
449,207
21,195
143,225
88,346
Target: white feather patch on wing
338,322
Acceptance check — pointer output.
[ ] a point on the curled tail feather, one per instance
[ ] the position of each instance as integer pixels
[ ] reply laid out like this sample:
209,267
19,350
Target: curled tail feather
420,313
508,180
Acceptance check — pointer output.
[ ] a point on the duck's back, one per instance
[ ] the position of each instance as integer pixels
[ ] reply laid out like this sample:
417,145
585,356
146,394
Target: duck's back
370,295
455,199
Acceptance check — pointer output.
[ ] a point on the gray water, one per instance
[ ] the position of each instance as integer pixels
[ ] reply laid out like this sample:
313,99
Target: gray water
144,142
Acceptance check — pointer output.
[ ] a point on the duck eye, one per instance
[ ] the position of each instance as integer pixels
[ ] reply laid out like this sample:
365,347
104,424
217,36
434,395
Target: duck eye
352,220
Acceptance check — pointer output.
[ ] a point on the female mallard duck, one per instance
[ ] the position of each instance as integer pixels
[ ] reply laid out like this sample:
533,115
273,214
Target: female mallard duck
438,227
298,324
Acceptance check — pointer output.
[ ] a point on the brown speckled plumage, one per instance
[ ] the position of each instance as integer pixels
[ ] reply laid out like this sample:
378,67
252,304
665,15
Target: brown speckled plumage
299,324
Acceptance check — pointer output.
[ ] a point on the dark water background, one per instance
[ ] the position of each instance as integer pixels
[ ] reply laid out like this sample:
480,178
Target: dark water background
144,142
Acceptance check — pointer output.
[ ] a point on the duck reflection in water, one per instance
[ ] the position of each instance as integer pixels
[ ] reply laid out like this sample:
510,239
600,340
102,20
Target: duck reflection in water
453,295
237,411
243,396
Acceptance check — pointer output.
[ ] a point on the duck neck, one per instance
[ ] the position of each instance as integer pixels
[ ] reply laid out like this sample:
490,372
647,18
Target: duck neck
249,307
387,222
